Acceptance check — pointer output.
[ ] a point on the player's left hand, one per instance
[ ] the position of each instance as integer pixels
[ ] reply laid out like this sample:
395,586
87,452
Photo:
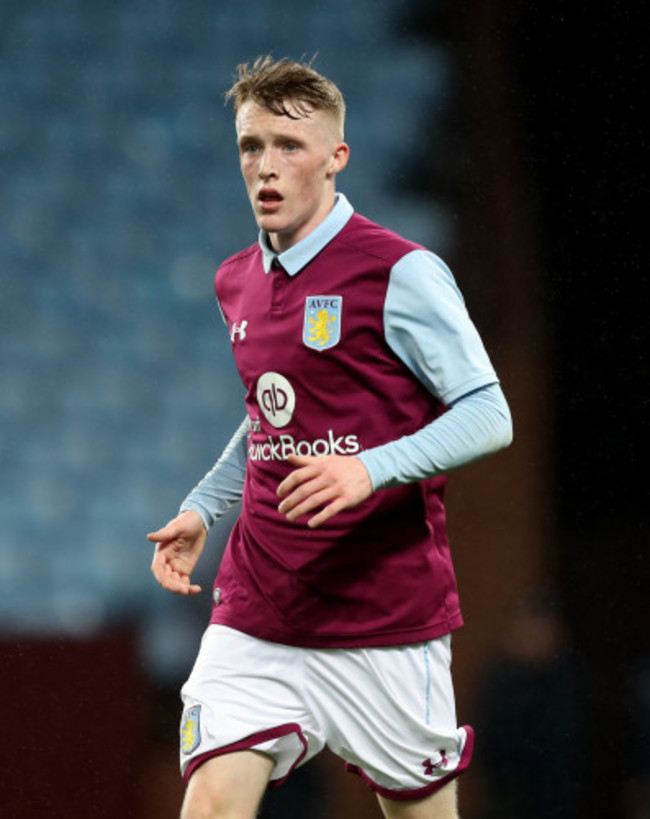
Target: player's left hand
329,483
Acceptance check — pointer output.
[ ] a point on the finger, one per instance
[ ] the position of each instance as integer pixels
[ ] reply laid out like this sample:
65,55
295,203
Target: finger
160,571
174,581
181,587
301,493
325,514
314,501
186,588
295,479
300,460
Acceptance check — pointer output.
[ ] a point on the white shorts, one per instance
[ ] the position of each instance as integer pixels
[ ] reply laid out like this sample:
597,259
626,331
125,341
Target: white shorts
388,712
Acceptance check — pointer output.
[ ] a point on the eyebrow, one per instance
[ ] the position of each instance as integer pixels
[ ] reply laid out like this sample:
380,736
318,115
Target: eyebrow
281,137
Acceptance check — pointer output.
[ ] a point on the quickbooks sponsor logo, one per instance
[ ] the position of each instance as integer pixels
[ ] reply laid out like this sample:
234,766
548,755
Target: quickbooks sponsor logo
276,399
279,449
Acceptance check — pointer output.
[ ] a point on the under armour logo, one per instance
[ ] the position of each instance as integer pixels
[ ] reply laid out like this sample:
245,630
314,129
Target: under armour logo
238,330
430,766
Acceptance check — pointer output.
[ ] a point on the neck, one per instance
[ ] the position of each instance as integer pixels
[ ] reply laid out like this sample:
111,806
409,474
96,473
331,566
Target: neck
283,241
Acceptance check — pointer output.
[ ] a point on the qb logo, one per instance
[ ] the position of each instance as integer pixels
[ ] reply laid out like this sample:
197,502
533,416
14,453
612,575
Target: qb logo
276,398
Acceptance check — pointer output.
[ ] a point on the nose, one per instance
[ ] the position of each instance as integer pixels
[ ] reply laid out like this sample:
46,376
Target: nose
266,168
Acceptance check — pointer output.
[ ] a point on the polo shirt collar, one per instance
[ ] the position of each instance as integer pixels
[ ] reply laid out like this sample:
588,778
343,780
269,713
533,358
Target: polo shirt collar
299,255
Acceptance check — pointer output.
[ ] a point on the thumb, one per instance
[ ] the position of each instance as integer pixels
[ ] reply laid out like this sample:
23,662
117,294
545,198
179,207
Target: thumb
167,532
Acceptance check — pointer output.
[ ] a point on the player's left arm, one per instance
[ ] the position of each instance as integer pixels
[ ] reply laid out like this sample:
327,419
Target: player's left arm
429,329
475,426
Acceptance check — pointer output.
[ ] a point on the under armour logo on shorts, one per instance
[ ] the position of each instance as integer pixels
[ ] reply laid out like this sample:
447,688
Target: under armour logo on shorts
430,766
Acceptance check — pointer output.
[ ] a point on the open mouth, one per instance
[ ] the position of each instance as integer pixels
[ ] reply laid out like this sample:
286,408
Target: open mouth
268,196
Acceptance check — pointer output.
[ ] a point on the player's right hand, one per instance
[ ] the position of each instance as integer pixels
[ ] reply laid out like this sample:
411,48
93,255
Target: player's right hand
178,547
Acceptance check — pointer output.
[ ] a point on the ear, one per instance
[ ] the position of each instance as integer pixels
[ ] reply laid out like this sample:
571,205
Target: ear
339,159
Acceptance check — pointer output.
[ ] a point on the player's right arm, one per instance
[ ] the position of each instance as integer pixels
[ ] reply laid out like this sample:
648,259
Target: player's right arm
223,485
179,543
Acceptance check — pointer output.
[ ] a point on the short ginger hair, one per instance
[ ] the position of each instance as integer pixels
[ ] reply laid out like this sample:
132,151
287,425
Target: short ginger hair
273,83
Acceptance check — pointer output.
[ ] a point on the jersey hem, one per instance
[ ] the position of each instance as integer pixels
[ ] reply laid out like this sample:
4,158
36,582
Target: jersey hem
365,640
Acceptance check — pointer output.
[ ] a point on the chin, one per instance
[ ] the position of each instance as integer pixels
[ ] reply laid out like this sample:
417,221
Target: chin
267,219
271,224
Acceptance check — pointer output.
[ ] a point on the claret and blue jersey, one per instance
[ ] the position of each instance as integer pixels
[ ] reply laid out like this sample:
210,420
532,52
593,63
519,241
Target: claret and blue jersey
352,342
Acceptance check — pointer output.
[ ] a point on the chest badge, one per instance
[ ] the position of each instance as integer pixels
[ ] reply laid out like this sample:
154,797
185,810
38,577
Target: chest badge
322,325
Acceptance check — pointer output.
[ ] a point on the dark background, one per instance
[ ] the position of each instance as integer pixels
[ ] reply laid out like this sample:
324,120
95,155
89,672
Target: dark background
584,147
583,106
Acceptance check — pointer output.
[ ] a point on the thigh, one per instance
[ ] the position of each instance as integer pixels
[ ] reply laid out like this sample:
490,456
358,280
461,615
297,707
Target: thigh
245,693
390,714
440,805
228,785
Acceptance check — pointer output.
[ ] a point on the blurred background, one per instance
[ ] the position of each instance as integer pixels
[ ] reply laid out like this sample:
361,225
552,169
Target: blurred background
506,136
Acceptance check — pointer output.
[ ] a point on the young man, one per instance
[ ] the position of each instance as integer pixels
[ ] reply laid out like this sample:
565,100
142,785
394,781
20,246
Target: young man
366,383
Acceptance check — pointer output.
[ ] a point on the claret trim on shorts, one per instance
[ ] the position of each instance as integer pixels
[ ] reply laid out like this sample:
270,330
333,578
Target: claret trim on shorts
425,790
250,742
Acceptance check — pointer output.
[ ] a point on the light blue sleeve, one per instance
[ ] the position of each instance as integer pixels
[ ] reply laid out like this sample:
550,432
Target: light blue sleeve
427,326
475,426
223,485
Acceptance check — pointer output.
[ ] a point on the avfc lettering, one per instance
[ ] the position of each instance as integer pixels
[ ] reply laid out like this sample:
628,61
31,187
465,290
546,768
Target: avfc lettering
279,449
324,303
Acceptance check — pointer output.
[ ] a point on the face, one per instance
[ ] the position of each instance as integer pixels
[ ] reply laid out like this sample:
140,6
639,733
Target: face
289,167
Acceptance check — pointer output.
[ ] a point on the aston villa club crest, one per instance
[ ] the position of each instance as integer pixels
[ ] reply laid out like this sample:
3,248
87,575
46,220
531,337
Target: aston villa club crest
322,327
191,729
